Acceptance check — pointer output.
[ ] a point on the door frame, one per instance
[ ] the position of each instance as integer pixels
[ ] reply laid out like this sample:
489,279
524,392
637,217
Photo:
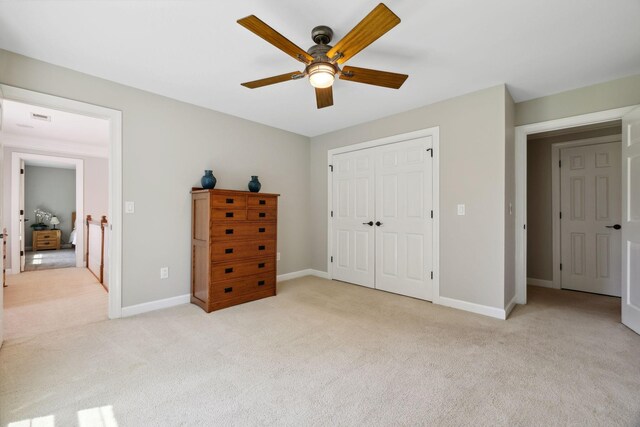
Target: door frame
556,227
521,179
114,211
78,165
434,133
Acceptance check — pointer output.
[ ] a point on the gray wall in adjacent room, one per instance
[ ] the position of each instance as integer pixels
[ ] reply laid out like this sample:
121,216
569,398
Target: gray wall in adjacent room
52,190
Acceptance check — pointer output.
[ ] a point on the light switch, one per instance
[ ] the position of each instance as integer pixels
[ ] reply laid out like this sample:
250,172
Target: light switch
129,207
461,209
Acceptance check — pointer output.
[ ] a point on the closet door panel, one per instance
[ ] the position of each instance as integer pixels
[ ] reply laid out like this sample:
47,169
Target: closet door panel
403,209
353,208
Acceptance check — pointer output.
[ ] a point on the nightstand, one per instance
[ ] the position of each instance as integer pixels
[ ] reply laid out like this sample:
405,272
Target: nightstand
46,239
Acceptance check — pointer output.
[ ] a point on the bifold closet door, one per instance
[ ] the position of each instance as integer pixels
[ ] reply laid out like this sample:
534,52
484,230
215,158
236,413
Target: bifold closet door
382,226
353,217
404,236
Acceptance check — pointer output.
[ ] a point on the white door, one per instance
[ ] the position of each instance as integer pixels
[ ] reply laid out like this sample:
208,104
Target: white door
353,217
22,216
382,229
631,220
590,222
404,234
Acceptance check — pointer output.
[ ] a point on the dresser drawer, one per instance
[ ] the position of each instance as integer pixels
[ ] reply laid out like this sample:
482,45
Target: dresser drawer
47,236
239,287
262,202
228,214
236,249
229,201
233,270
43,244
262,214
231,231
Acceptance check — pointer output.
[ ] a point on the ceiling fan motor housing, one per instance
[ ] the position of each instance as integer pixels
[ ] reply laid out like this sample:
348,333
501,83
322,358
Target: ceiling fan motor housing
321,34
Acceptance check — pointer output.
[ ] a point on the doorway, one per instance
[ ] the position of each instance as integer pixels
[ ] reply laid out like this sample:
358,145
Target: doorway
113,119
573,193
630,232
383,217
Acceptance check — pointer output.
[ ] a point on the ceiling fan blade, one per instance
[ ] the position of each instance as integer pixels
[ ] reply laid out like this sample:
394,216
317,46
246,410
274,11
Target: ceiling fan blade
374,25
256,26
324,97
271,80
373,77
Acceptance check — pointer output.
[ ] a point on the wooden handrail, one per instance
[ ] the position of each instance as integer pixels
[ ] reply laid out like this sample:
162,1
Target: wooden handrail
102,224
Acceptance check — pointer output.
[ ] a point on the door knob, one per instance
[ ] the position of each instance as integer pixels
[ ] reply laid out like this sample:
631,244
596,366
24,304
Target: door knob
615,227
370,223
378,223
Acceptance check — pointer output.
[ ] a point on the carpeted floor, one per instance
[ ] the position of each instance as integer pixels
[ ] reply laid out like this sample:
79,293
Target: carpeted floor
49,259
39,302
328,353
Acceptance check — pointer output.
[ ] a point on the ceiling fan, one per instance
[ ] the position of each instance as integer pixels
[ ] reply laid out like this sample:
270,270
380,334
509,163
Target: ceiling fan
323,61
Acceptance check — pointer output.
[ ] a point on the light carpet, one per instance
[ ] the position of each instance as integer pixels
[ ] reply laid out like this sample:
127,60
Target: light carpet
328,353
49,259
39,302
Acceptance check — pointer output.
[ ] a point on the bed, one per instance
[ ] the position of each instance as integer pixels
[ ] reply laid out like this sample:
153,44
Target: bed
72,236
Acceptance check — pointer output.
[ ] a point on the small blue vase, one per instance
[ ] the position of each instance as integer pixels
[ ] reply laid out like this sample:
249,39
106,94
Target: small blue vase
208,181
254,184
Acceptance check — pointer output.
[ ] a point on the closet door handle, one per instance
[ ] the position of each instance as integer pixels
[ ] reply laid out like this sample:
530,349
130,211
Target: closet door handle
615,227
370,223
378,223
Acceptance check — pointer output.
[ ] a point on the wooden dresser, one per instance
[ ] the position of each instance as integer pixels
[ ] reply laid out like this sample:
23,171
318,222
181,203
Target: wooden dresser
46,239
233,247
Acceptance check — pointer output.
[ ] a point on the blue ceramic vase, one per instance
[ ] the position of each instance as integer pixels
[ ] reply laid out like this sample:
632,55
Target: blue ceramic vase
254,184
208,181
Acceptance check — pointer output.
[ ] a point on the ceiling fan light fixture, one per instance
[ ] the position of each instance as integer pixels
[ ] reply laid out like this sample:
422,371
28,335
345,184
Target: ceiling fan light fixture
321,75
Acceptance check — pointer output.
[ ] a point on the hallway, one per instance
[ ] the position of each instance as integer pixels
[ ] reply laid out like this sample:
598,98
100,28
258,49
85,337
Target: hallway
39,302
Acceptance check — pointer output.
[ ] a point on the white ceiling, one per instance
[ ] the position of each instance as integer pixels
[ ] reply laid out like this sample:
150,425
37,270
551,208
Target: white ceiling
195,51
65,132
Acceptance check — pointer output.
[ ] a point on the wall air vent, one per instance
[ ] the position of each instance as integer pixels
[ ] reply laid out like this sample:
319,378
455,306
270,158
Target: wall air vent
43,117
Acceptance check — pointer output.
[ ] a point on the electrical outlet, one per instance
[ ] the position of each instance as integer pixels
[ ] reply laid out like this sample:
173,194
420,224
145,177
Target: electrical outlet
278,256
164,272
461,209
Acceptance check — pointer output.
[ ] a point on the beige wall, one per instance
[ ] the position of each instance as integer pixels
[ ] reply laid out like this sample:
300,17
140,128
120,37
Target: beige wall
96,173
166,146
472,171
539,235
600,97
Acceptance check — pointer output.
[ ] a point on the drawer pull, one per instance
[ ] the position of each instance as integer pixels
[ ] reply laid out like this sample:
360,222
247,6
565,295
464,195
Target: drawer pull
260,282
229,215
262,214
261,230
228,251
230,201
261,248
228,231
261,265
262,202
228,270
227,290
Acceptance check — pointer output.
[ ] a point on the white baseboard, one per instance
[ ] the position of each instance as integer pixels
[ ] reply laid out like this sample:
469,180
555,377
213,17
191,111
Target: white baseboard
132,310
540,282
509,307
485,310
302,273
